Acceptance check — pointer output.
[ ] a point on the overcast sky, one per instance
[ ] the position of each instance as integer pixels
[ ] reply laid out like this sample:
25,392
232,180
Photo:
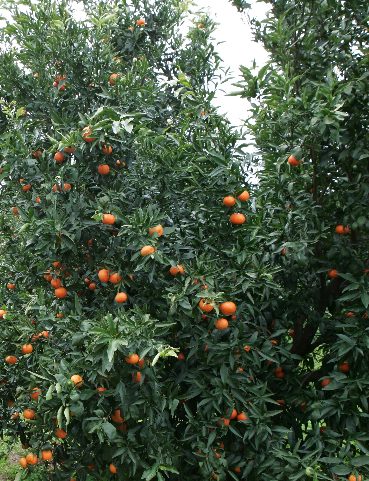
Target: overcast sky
237,48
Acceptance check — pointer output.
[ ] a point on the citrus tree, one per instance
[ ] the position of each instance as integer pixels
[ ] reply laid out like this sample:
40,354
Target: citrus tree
132,290
309,119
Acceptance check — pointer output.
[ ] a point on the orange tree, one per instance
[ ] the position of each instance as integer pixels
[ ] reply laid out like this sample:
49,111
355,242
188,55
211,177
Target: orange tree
132,292
309,118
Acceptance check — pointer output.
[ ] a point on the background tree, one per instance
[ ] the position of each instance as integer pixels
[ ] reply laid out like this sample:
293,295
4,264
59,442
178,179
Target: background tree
309,118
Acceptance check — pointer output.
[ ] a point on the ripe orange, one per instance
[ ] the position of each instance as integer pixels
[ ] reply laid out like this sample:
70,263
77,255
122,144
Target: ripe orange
234,414
38,200
101,390
205,306
44,334
27,348
225,421
325,382
113,78
35,394
113,469
237,219
346,230
86,135
103,275
15,211
158,229
279,372
132,359
60,433
26,187
221,324
2,313
121,297
242,417
103,169
36,154
23,462
108,219
117,417
69,150
55,283
56,264
47,455
344,367
244,196
173,271
340,229
141,363
136,377
59,157
115,278
147,250
228,308
67,187
293,161
31,459
107,149
11,359
349,314
10,285
77,380
29,413
247,348
140,22
237,469
61,292
332,273
229,201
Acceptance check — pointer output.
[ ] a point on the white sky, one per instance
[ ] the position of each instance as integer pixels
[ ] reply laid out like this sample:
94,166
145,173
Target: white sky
237,48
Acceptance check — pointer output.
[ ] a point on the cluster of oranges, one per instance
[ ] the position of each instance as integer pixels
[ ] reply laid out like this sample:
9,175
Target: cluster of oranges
60,292
229,201
226,308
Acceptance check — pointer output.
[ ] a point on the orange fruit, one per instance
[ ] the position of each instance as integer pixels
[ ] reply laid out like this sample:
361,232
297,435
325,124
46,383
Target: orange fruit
2,313
100,390
113,78
141,363
23,462
103,169
244,196
31,459
346,230
147,250
158,229
136,377
242,417
69,150
55,283
61,292
181,356
107,149
229,201
173,271
67,187
35,394
108,219
26,187
237,219
325,382
237,469
226,422
60,433
279,372
132,359
205,306
44,334
113,469
349,314
293,161
29,413
340,229
221,324
86,134
77,380
121,297
117,417
228,308
10,285
11,359
36,154
103,275
15,211
47,455
27,348
59,157
234,414
344,367
140,22
332,273
247,348
56,264
38,200
115,278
